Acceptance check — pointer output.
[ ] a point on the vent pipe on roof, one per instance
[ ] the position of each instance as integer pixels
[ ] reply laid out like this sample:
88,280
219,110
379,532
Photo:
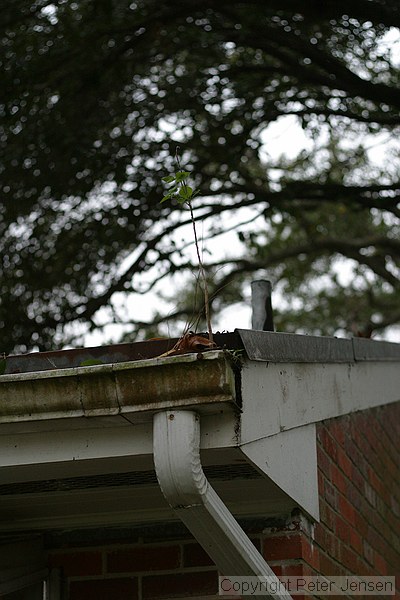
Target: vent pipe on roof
262,317
188,492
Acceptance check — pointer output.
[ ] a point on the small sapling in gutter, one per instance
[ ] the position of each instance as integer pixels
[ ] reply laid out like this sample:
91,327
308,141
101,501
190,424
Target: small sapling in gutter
183,193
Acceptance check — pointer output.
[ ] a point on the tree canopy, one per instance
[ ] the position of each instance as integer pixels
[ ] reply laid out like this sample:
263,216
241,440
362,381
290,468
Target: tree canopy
97,94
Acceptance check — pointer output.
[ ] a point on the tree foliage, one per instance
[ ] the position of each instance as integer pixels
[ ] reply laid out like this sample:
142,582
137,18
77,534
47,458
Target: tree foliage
97,94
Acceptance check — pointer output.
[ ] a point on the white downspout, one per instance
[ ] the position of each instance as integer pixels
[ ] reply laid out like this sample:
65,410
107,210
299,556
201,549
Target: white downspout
186,489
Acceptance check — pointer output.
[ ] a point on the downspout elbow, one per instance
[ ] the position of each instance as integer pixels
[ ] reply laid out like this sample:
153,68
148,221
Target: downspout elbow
188,492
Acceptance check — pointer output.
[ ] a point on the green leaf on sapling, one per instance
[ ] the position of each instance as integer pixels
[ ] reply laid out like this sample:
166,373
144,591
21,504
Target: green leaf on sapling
167,197
168,179
186,192
181,176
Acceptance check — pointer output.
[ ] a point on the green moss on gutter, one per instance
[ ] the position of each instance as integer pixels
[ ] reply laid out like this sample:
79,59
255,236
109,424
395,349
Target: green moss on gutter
129,387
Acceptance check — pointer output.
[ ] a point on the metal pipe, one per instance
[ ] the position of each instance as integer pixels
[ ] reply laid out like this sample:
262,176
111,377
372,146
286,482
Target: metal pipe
262,316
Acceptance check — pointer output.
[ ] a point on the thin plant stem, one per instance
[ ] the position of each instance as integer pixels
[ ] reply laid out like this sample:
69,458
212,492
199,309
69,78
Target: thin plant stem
184,194
203,275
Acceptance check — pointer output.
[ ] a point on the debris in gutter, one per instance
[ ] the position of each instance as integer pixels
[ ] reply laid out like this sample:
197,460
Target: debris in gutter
115,353
190,342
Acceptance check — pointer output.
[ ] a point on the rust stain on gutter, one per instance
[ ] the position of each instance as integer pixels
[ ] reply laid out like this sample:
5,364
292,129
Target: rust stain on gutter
126,387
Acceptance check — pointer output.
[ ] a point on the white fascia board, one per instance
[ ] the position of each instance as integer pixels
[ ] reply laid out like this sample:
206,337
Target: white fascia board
282,396
282,402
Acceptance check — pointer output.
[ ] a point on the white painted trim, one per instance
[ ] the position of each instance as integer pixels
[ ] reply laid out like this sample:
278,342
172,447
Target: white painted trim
186,489
279,397
289,458
52,446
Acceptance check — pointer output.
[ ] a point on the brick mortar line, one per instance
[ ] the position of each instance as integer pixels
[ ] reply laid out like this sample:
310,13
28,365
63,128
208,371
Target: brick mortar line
355,529
365,481
363,538
361,557
333,462
120,546
387,444
179,571
375,454
136,574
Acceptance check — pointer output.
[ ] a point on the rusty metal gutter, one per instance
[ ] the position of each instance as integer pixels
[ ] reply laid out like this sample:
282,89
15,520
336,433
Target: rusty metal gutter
112,389
111,354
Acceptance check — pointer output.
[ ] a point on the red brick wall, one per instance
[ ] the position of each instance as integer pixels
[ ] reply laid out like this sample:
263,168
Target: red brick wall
124,571
359,482
359,531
